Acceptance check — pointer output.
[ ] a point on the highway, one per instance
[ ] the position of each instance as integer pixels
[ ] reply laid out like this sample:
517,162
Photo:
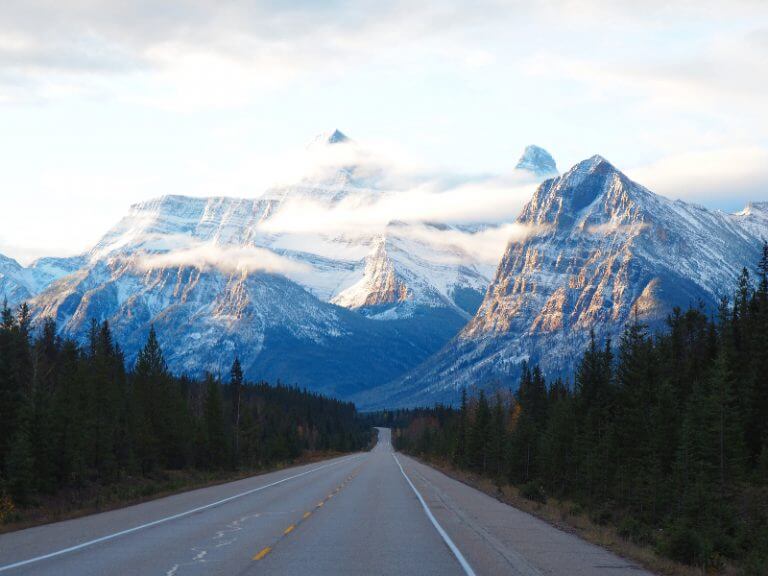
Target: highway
371,513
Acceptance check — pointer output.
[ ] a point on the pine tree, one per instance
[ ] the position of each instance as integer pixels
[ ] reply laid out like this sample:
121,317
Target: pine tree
20,462
497,440
213,415
236,385
460,452
477,449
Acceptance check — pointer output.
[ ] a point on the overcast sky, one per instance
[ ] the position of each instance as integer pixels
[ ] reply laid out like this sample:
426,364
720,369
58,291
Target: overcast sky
103,104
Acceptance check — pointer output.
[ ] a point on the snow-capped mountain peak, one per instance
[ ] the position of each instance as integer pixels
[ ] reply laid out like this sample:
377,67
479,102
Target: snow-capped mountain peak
537,161
606,249
329,138
337,137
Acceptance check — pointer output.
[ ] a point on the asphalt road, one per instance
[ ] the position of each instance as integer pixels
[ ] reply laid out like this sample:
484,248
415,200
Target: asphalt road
369,514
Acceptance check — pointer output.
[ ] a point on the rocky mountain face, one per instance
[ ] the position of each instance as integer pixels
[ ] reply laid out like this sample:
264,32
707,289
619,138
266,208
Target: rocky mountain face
602,250
390,315
336,310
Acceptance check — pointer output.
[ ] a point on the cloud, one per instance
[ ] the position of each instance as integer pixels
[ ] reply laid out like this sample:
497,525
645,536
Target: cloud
488,200
204,53
228,259
734,173
484,246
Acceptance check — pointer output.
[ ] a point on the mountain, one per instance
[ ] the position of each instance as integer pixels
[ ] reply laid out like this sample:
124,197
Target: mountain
537,161
754,218
202,271
204,317
18,283
332,308
405,271
602,249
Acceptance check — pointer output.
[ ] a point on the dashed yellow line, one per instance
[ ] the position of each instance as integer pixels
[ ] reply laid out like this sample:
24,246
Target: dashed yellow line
306,515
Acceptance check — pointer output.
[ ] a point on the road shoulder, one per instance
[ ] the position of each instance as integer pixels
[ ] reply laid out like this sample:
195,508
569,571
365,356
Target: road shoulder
499,538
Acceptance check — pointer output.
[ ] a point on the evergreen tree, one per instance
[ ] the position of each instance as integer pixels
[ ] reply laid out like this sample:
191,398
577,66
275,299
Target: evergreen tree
236,386
213,416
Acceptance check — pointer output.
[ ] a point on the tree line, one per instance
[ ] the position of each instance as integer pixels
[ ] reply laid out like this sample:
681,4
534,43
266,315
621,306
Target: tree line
73,415
664,435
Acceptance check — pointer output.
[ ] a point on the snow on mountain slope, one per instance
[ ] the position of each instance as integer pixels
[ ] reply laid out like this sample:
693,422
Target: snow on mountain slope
206,317
218,276
16,284
405,271
754,218
606,249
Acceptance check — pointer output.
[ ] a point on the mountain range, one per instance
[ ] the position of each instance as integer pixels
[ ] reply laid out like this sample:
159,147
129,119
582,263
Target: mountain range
389,315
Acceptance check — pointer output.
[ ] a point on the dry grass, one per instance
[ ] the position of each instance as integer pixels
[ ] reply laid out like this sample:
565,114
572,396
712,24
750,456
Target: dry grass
570,517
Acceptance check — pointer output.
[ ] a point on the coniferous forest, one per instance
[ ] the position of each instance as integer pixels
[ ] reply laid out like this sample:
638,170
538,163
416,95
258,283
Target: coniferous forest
664,435
74,417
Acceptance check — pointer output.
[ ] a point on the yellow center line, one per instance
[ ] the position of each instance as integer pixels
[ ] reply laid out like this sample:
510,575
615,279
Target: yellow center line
306,515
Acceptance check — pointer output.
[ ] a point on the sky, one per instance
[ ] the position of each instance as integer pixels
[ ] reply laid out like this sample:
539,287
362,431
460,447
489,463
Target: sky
104,104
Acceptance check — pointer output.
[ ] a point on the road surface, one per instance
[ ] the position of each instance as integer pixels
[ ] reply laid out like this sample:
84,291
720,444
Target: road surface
371,513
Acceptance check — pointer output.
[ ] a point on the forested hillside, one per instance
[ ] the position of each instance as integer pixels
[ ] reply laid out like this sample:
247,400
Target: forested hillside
664,435
73,417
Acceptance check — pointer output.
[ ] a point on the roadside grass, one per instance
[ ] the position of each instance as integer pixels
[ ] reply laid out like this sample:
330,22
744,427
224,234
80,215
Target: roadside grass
570,517
93,498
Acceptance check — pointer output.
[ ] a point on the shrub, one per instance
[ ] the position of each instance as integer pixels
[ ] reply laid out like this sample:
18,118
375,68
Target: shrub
683,544
533,491
601,516
7,509
635,531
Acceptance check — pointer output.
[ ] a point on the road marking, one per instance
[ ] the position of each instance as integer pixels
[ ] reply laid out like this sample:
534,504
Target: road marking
447,539
168,518
291,528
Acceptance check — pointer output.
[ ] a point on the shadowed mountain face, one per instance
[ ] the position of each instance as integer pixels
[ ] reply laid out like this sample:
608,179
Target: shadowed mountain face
278,329
603,250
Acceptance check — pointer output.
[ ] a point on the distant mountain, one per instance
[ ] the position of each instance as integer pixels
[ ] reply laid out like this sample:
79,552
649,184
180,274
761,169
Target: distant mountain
337,310
603,249
537,161
395,314
18,283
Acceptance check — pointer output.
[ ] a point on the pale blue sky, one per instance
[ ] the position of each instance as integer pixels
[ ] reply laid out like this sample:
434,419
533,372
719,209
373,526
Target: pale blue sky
105,104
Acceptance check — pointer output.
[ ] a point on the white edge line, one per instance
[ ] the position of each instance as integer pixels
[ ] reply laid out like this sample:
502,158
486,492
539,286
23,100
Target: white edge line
166,519
447,539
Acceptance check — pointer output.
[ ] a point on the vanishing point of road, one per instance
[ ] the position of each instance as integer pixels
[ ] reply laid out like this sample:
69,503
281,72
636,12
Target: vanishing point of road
364,514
